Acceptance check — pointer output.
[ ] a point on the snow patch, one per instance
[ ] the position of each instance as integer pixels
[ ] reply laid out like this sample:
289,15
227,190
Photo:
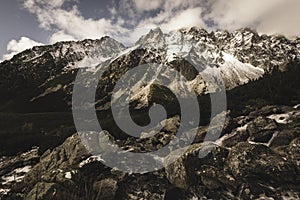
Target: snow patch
242,128
4,191
48,91
236,73
25,169
16,175
297,106
68,175
280,118
90,160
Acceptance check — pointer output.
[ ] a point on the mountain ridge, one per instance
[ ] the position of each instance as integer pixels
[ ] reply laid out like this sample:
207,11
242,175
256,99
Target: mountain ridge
240,57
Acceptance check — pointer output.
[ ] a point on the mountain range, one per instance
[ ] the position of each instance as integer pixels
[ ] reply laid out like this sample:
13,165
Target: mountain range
257,155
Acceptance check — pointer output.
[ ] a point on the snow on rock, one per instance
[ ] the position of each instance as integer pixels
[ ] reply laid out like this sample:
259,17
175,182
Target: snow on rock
68,175
4,191
16,175
240,57
297,106
48,91
90,160
155,36
285,118
195,46
236,73
280,118
242,128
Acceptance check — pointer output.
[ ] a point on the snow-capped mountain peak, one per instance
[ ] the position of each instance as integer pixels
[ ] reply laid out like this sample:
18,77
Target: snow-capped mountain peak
240,57
154,36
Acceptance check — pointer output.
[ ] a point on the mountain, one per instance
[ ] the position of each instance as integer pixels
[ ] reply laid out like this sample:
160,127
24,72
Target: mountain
256,156
47,72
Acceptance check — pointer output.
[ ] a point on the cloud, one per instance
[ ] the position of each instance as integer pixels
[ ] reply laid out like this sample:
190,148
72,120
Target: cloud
127,17
268,16
142,5
60,36
284,19
233,14
16,46
70,22
185,19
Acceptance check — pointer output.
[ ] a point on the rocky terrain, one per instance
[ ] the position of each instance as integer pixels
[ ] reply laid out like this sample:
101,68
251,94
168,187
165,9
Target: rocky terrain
256,157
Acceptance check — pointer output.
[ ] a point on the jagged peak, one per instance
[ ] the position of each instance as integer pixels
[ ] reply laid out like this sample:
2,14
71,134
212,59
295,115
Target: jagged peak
199,30
158,38
246,30
79,45
156,30
154,35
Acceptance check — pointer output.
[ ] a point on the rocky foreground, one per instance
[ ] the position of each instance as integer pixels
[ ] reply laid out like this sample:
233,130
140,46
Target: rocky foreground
258,156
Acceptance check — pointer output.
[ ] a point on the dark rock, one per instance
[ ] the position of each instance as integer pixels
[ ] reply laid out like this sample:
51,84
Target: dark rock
261,129
106,189
239,135
182,172
266,111
42,190
284,137
262,136
249,161
150,186
291,152
11,163
14,168
175,194
261,124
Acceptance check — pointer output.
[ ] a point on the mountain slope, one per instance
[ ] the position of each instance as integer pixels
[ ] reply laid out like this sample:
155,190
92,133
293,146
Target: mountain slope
48,72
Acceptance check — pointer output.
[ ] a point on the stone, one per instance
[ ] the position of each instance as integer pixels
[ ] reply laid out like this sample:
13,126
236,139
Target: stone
105,189
254,161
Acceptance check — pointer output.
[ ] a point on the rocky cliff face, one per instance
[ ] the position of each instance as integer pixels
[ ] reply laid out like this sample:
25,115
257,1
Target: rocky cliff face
257,155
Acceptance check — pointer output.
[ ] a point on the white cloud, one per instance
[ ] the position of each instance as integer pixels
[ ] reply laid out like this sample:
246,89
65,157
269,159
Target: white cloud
142,5
174,14
14,47
267,16
187,18
60,36
233,14
70,22
285,19
226,14
55,3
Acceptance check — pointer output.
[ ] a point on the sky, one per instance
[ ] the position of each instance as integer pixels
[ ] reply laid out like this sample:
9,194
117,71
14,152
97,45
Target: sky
27,23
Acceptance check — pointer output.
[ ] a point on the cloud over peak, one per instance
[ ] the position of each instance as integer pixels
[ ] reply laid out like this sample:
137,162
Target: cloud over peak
17,46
